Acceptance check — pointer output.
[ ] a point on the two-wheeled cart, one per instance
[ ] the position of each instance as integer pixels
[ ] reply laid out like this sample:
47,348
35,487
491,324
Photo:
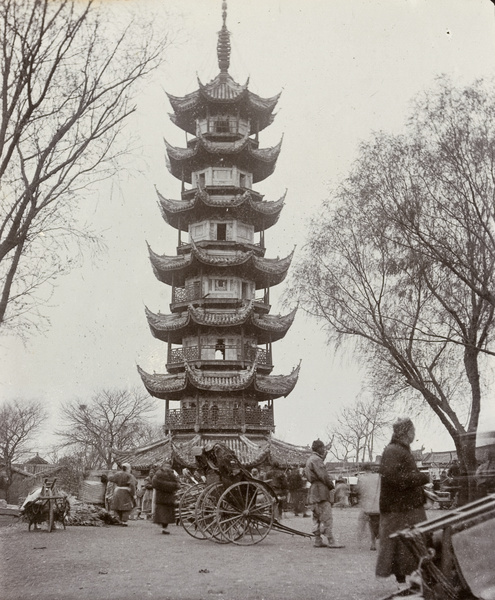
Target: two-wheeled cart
236,508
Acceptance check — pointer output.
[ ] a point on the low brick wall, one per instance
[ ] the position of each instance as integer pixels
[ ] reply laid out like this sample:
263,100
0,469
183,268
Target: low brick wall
9,516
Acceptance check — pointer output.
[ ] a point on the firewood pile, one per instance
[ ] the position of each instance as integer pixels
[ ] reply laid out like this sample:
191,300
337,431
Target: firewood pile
85,514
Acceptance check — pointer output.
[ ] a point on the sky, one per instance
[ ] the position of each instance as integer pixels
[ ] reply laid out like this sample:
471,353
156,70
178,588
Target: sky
345,68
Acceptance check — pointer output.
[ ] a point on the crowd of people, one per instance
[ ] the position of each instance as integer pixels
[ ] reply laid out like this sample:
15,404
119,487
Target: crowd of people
390,496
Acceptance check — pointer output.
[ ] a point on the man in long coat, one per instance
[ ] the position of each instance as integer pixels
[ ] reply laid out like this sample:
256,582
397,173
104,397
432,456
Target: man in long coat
124,493
401,502
165,485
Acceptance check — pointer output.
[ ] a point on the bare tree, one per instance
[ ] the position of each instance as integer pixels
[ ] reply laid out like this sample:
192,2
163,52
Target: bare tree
449,185
150,432
68,75
357,429
19,423
342,446
112,421
367,274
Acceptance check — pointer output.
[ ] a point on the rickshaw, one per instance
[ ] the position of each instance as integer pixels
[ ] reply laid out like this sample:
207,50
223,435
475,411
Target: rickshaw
232,506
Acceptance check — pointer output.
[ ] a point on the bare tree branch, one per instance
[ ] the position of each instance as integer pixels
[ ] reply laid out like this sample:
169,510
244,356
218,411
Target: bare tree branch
402,258
19,423
66,88
113,420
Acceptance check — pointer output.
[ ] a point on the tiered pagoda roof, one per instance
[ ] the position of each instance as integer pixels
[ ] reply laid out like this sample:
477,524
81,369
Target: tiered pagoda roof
265,272
173,327
220,90
246,206
202,153
266,387
221,213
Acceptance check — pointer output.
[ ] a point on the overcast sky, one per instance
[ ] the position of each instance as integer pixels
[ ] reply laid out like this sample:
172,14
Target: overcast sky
346,68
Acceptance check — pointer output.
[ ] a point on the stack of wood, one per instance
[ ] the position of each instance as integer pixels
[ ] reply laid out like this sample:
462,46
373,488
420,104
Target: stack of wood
85,514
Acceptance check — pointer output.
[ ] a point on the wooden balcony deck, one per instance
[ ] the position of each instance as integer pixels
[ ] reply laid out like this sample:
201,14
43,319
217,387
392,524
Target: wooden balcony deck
220,418
213,354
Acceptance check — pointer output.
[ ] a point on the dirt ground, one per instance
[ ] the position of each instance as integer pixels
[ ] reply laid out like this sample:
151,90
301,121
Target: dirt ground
117,563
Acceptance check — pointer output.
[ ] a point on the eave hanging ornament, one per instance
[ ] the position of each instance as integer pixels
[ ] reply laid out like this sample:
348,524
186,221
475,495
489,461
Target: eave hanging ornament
223,45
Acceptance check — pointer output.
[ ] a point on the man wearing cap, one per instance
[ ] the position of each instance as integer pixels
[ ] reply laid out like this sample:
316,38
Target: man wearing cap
124,494
319,496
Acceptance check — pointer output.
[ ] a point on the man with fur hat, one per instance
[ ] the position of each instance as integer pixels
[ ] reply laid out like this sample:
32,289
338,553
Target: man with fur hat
319,496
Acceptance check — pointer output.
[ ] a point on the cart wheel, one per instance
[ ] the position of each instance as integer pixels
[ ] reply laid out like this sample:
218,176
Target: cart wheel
245,513
206,511
187,511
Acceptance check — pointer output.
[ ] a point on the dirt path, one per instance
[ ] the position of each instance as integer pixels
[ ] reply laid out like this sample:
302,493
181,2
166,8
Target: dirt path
116,563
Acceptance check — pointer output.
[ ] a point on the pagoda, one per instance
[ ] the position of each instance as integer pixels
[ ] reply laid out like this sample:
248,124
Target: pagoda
219,333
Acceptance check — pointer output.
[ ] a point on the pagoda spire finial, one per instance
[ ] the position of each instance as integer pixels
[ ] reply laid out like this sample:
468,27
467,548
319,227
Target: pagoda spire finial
223,44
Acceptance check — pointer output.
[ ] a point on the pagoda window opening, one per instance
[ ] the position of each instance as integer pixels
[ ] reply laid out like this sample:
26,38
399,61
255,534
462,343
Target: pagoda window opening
202,180
220,349
222,231
204,413
222,125
220,285
236,414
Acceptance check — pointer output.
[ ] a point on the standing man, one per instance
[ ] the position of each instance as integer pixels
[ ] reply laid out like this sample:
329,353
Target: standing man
319,496
124,493
401,502
278,482
368,491
296,484
165,483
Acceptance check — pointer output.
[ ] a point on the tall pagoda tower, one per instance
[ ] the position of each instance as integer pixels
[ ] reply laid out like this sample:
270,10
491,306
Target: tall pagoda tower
219,333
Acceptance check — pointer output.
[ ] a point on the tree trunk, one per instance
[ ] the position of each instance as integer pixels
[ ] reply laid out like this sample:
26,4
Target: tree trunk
468,460
466,452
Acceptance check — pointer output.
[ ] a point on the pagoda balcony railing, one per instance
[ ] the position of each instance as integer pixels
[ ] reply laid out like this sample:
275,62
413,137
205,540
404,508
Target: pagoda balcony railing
182,294
208,242
227,243
263,299
214,190
220,417
212,352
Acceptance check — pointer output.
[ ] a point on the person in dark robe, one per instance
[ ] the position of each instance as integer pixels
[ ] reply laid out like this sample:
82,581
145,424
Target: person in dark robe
402,501
124,493
165,485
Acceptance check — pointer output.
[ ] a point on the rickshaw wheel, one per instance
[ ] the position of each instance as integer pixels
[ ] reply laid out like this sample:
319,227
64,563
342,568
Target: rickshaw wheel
245,513
187,511
206,507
